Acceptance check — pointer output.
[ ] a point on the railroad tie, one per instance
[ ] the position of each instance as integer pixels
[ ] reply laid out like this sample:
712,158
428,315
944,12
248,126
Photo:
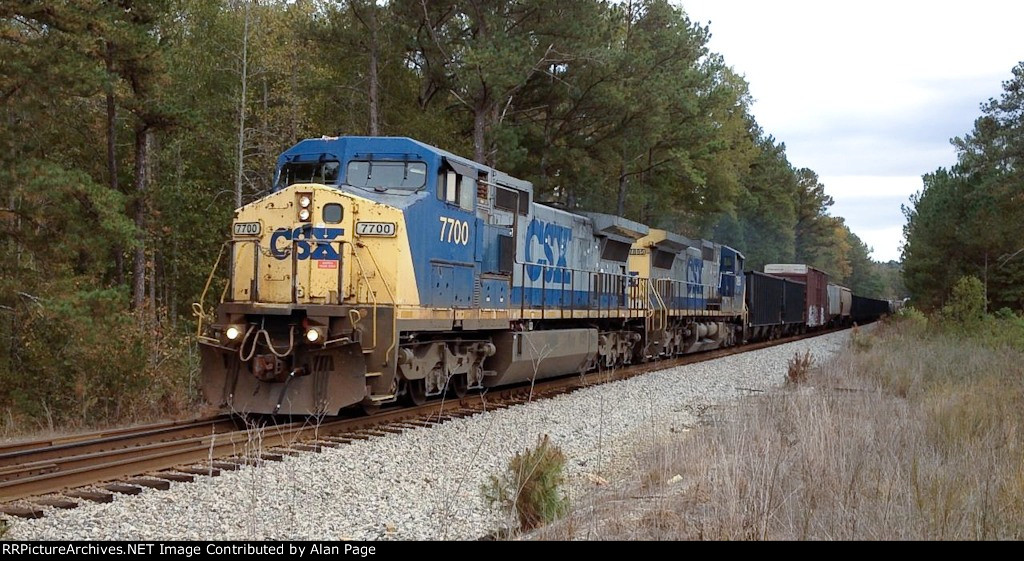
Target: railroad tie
367,433
56,502
94,496
158,484
123,489
407,425
308,447
177,477
418,423
340,440
22,511
207,471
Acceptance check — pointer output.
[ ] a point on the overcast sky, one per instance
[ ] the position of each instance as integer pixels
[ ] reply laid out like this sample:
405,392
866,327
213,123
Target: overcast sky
868,94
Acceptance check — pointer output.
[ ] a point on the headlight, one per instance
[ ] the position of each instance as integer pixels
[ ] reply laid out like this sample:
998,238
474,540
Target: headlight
312,335
304,214
304,201
232,333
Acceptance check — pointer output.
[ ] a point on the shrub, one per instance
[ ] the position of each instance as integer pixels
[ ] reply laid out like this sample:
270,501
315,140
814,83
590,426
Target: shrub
967,302
799,367
1005,313
532,486
80,360
912,316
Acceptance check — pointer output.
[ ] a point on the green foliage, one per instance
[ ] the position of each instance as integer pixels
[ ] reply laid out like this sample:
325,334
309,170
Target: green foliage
1005,313
78,360
966,304
912,316
531,488
966,220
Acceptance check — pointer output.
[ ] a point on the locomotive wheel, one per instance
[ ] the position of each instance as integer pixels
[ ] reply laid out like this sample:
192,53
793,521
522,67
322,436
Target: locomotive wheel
414,392
458,386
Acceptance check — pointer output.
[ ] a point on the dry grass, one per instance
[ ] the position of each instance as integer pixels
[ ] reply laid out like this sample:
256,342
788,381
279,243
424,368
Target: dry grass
912,436
799,368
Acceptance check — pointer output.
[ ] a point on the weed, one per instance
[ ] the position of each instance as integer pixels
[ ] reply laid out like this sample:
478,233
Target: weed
532,486
861,341
799,367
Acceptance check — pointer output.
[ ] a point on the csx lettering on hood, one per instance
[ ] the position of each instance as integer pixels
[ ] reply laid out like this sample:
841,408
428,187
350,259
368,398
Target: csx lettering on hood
309,243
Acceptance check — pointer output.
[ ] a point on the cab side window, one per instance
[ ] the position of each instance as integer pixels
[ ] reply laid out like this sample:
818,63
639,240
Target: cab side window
467,192
456,189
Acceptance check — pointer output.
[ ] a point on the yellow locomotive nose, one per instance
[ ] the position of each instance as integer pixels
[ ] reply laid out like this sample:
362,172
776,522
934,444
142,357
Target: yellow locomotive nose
289,247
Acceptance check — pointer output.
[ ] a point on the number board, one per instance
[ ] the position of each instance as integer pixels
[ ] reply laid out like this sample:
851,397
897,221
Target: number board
386,229
247,228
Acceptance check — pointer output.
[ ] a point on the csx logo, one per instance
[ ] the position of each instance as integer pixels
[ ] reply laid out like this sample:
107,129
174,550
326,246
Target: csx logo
554,240
309,243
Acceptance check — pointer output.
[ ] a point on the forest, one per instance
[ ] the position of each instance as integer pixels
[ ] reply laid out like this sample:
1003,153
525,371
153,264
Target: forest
132,129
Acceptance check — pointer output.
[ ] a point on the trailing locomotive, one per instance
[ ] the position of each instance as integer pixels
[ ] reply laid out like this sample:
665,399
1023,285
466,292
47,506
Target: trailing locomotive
384,269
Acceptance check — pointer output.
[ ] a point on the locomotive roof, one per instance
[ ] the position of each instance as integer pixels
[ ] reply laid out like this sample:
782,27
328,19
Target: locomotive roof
351,146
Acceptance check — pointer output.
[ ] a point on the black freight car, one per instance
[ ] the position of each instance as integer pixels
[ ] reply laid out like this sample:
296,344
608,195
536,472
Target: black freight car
866,310
775,306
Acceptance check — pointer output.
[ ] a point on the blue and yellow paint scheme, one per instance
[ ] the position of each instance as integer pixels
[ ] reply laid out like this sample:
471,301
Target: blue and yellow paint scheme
383,268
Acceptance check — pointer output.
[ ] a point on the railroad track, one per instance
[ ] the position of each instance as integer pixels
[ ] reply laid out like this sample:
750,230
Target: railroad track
96,466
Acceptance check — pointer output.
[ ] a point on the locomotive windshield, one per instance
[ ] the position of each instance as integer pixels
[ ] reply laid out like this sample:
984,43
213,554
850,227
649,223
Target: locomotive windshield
325,172
382,176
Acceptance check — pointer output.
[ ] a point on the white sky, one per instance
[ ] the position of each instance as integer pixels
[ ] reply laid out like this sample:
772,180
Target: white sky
868,94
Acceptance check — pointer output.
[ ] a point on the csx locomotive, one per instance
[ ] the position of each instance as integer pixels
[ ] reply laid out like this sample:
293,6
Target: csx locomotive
383,269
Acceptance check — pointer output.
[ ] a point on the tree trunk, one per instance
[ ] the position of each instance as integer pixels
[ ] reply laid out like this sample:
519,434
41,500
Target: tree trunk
266,147
112,149
479,124
374,55
620,207
153,280
241,110
142,133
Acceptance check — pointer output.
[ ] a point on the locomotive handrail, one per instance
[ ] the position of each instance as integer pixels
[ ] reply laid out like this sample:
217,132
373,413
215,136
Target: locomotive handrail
197,307
394,315
372,294
661,303
611,292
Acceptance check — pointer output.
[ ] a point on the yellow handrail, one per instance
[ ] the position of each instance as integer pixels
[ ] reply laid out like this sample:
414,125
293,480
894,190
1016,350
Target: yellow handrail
394,313
373,296
197,307
661,304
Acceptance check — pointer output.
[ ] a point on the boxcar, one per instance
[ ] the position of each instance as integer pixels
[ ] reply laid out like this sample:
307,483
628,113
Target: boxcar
817,288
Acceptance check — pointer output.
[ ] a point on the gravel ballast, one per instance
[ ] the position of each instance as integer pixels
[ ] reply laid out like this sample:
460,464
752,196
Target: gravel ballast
425,483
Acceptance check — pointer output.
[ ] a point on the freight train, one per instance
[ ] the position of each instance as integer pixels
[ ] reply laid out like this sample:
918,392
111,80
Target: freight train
384,269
